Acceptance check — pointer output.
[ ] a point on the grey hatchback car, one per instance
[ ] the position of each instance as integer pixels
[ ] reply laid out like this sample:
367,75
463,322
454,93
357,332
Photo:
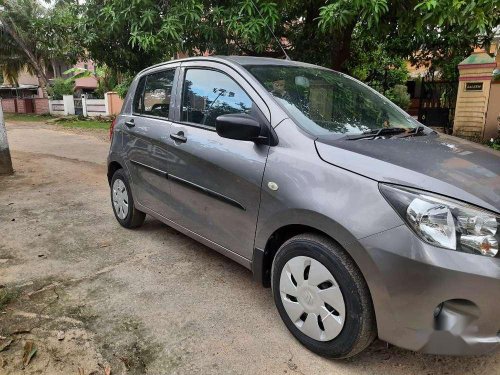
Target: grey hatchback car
363,222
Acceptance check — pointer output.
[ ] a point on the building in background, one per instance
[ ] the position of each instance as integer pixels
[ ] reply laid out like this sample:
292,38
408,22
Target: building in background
28,86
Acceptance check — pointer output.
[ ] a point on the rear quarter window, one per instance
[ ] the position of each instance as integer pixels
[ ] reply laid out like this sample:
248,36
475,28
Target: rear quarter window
153,94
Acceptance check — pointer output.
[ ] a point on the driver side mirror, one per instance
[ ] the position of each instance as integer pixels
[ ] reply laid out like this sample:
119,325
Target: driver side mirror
239,126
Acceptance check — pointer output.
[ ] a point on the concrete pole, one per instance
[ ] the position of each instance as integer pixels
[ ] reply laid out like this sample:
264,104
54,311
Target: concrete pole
5,160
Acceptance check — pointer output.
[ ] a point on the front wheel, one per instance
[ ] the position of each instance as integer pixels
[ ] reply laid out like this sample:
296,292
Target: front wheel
123,203
322,297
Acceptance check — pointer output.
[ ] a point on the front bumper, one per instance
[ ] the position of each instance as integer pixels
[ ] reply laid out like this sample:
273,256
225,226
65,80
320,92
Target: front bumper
410,280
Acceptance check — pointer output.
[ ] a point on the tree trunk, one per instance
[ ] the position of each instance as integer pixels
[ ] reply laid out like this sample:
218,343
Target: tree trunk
43,85
5,160
341,51
42,77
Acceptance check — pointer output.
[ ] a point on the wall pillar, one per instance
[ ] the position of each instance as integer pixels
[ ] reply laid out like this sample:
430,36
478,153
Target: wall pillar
69,105
84,105
473,95
113,103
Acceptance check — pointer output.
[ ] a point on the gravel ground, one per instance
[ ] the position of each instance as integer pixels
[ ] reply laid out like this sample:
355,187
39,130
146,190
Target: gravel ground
94,297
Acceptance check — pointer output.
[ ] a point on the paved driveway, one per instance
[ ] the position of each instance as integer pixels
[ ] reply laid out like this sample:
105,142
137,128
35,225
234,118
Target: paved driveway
144,301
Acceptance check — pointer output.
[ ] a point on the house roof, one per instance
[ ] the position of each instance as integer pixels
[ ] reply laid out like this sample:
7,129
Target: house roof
20,87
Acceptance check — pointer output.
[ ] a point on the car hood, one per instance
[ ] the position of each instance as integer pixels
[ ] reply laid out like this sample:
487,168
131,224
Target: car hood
435,162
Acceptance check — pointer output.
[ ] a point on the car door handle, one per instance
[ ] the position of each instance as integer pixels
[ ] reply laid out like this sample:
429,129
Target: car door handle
179,137
130,123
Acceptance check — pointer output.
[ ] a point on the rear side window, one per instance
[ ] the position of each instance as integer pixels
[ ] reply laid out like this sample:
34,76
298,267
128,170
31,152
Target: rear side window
153,94
207,94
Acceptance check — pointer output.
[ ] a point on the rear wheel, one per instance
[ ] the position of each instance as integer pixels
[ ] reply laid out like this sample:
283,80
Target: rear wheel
123,203
322,297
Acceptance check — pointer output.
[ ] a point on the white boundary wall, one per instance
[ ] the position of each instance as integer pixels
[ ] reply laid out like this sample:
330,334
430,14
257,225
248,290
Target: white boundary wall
91,107
56,107
95,107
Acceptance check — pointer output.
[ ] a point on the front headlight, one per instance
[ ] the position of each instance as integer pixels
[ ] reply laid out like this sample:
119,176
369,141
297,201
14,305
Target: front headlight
445,222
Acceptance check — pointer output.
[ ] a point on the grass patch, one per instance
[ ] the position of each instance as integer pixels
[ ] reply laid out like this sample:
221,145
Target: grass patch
27,117
7,295
83,122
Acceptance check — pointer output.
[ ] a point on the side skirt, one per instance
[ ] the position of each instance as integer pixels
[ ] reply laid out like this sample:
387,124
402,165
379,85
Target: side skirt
247,263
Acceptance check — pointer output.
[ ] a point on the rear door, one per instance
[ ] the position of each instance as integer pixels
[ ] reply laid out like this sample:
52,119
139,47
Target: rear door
215,181
146,139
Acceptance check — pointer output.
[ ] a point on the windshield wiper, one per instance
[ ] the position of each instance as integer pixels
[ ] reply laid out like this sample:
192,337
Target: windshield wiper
419,130
377,133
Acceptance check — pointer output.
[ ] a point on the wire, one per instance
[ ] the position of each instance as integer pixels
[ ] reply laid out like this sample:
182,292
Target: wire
275,37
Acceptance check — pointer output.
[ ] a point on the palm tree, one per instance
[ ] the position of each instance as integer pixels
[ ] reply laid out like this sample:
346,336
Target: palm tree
33,36
17,48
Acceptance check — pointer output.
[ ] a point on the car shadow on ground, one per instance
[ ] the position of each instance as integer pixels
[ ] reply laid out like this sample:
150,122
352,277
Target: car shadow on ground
377,356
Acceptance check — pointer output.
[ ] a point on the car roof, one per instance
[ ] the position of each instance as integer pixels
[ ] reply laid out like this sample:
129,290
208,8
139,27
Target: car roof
238,60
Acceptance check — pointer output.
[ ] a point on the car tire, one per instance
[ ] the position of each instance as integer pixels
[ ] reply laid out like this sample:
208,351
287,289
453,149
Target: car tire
338,331
122,202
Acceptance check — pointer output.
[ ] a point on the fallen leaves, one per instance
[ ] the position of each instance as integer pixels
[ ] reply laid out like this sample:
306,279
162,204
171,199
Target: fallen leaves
29,351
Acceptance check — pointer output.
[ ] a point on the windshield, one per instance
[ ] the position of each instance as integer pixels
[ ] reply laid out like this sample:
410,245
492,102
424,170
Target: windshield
325,102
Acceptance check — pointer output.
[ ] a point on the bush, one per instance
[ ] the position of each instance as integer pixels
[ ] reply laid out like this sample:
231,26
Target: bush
399,96
60,87
494,143
122,88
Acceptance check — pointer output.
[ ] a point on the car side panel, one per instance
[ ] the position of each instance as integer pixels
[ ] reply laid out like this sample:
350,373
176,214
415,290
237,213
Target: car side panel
312,192
216,181
329,199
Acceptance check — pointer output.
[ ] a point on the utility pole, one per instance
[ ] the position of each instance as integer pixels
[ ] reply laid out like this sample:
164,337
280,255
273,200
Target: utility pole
5,160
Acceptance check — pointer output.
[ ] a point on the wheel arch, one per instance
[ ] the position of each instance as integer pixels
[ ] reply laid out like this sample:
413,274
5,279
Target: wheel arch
113,166
269,240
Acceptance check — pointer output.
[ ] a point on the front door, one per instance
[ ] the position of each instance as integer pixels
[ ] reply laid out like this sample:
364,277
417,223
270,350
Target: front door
146,139
215,181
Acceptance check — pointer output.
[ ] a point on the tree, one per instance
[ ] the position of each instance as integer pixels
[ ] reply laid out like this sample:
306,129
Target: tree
105,77
61,87
33,36
130,35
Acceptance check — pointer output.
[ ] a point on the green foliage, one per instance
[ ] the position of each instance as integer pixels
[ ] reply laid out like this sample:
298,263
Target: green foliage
81,122
341,13
478,16
122,88
33,35
372,62
496,75
494,143
106,78
399,96
60,87
128,36
366,38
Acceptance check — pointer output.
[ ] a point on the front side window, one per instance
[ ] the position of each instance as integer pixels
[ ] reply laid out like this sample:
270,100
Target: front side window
208,94
154,93
325,102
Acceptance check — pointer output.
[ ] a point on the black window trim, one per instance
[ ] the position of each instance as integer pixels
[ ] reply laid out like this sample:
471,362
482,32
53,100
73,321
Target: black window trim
180,94
172,93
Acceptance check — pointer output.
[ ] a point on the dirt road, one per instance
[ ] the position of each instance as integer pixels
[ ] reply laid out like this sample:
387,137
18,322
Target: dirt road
91,294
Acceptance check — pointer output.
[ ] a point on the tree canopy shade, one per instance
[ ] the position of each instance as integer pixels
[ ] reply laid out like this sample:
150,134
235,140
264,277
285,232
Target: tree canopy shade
129,35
